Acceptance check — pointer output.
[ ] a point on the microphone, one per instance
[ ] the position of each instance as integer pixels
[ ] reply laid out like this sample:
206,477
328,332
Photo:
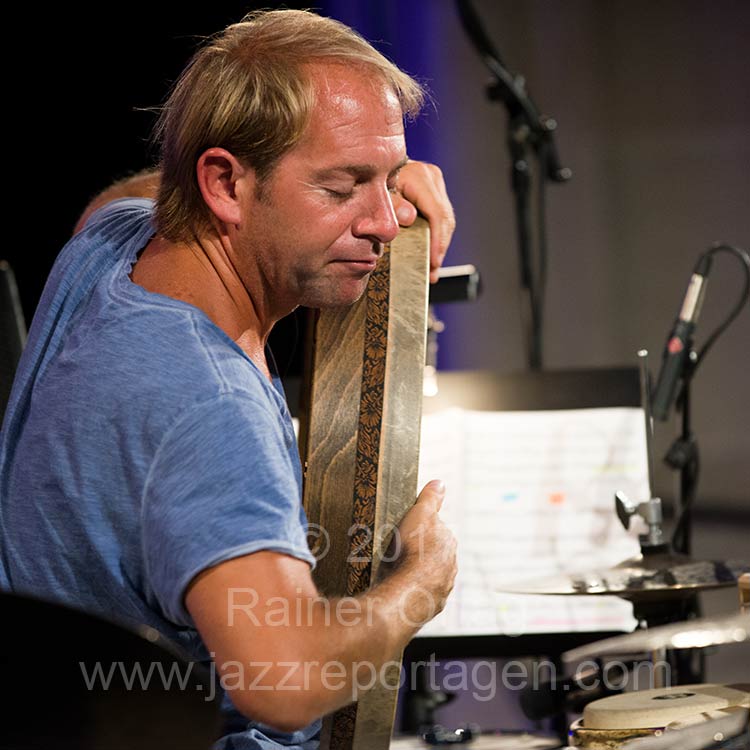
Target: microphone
677,348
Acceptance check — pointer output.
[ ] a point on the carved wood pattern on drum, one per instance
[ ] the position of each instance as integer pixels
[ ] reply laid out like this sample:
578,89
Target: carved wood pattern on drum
369,430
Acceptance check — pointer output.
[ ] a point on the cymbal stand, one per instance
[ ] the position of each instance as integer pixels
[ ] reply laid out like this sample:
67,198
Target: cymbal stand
652,542
650,510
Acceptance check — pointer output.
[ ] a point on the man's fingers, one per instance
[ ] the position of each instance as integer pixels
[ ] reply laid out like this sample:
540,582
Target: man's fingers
423,186
406,213
433,493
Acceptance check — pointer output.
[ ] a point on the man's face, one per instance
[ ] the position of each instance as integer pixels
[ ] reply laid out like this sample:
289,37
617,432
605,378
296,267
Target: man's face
316,230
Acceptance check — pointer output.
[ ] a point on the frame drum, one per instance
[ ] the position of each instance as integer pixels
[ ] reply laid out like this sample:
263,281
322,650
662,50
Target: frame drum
609,722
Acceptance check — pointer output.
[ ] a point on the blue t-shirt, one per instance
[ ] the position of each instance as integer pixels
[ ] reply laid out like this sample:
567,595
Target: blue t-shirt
140,446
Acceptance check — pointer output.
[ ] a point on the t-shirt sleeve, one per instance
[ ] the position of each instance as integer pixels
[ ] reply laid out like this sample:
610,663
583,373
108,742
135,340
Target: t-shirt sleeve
224,483
113,207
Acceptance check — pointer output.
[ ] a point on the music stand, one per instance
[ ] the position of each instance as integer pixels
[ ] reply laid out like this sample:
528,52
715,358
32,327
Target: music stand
528,391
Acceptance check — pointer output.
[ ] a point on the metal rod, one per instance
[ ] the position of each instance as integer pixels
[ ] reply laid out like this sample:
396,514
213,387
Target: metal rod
645,379
661,670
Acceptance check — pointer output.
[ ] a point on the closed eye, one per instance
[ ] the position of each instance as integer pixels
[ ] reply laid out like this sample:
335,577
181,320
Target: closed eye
340,194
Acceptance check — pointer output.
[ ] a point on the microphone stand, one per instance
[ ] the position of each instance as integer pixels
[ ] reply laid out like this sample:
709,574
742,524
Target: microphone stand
528,132
683,456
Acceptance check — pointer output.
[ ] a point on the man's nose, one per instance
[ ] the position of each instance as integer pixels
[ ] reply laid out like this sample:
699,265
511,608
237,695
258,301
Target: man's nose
377,220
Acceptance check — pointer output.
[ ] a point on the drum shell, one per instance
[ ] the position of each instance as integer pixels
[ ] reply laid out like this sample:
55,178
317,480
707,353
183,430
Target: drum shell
605,739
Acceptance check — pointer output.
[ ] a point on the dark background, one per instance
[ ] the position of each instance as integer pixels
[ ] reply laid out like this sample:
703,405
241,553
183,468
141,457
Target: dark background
80,118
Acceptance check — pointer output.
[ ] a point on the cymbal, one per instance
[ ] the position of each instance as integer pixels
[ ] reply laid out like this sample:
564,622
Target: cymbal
697,633
650,577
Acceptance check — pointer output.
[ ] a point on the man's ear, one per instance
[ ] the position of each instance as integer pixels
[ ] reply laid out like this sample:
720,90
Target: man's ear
218,173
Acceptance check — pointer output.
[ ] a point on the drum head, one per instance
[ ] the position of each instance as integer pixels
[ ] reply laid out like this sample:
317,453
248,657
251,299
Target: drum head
658,708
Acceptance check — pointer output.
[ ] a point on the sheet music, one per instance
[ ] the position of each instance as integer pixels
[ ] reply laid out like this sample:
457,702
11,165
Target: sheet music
530,495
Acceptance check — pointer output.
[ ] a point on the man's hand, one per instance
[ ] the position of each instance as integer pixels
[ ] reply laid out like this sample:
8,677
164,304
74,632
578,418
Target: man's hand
262,611
421,188
426,551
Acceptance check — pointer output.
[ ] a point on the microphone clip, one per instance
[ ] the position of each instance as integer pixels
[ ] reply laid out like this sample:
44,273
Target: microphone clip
682,452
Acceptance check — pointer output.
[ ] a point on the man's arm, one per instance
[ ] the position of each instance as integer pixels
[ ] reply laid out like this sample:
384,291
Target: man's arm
286,655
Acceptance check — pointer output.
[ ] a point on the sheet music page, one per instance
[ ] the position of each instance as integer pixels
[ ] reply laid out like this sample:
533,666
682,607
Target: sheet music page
530,495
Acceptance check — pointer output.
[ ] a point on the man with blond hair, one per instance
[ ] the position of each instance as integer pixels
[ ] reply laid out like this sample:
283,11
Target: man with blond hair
148,464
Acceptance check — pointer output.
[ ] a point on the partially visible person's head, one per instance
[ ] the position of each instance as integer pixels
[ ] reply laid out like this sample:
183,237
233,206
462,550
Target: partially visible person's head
250,90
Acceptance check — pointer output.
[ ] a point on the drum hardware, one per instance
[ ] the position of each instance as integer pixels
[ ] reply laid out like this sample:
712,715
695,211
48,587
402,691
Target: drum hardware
439,735
650,510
